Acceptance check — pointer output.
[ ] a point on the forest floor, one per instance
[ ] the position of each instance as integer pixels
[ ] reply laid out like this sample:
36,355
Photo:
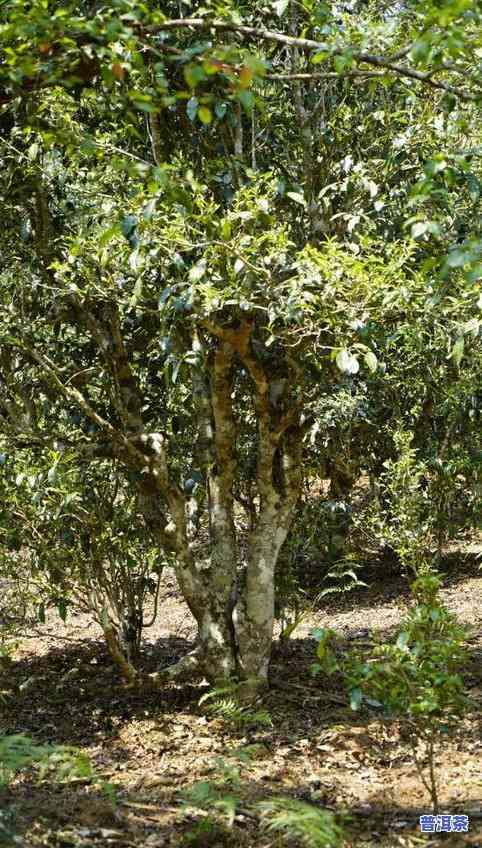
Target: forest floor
63,688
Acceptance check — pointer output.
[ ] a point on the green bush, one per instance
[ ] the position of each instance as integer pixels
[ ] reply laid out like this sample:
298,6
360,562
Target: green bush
415,679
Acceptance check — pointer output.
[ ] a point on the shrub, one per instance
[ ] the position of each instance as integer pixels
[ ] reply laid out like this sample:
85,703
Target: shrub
415,679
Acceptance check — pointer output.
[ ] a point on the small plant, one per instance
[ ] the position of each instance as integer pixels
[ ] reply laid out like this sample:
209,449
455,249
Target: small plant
216,794
231,711
204,833
66,763
7,824
403,519
344,579
7,649
415,679
314,546
314,561
314,827
19,751
344,576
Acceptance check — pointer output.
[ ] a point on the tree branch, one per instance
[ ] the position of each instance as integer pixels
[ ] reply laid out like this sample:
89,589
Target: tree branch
108,335
326,75
309,45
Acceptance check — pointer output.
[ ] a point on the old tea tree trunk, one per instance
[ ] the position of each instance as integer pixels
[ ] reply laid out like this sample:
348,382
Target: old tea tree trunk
230,588
230,595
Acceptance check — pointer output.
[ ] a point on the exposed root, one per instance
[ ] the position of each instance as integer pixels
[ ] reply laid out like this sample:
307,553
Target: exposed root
188,669
129,673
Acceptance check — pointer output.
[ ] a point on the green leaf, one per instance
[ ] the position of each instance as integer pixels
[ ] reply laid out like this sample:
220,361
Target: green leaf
475,274
458,258
346,362
355,699
193,74
226,229
371,361
419,229
435,166
136,294
280,7
205,115
343,62
297,197
109,234
149,209
197,271
372,702
32,151
238,266
320,56
128,225
472,326
420,50
164,296
145,106
220,110
458,350
192,107
246,98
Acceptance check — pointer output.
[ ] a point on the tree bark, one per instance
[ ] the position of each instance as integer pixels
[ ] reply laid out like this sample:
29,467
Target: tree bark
231,600
229,592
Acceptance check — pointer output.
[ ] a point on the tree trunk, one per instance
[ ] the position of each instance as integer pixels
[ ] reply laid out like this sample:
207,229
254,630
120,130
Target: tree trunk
254,612
230,593
232,600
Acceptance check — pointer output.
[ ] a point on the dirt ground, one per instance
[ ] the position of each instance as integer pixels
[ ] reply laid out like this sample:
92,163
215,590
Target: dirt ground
63,688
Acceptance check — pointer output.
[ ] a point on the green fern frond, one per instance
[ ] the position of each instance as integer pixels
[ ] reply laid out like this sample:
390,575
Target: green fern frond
344,575
230,710
314,827
65,763
18,751
217,693
207,795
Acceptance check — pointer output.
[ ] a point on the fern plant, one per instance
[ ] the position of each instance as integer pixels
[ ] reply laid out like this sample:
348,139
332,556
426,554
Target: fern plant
224,705
314,827
217,794
18,751
344,576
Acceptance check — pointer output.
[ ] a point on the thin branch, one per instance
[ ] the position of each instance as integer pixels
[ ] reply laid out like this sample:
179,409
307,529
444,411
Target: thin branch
54,373
326,75
309,45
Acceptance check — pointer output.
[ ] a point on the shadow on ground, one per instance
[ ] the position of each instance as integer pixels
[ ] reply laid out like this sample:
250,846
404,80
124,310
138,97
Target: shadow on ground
71,694
153,745
82,817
